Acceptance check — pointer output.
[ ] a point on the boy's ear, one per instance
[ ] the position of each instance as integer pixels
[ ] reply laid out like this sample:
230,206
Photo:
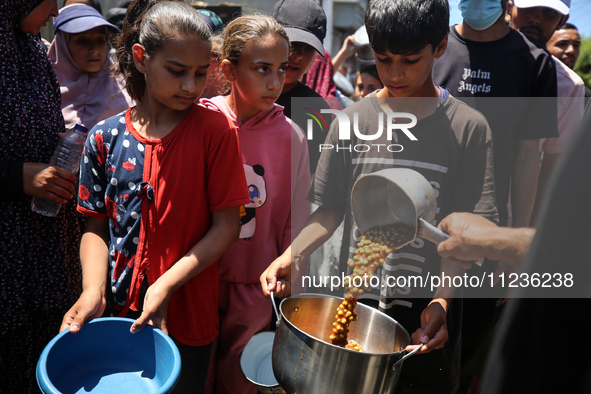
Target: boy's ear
508,13
139,57
440,49
228,70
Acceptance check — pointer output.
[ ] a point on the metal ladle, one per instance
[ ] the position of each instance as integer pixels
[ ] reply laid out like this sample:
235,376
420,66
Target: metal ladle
397,195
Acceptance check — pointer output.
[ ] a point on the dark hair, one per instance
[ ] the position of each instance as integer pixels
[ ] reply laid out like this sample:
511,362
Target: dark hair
370,69
405,26
569,26
247,28
151,23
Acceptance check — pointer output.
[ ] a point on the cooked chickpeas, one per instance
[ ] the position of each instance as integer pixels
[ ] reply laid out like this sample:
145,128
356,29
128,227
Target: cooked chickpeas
345,315
353,345
372,250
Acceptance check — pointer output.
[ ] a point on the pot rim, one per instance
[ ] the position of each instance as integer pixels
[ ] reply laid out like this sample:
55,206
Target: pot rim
309,336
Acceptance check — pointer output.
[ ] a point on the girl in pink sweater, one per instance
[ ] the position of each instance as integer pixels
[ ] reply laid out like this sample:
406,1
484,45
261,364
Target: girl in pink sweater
275,158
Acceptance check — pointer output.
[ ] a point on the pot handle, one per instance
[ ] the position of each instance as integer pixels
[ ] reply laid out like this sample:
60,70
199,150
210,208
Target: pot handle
275,307
406,356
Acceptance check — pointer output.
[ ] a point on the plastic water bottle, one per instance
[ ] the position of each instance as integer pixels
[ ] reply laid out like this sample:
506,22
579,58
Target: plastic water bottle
67,156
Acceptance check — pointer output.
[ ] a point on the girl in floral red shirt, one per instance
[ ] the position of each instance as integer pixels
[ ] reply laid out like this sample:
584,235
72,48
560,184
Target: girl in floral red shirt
162,184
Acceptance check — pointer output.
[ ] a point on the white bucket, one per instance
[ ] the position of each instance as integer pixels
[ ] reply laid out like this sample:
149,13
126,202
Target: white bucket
256,362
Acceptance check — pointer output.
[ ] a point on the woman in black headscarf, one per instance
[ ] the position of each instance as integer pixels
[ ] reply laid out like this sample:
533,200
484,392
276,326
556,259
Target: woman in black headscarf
39,264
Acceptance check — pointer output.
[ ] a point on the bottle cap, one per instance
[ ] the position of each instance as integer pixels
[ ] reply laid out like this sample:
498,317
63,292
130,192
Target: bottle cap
81,128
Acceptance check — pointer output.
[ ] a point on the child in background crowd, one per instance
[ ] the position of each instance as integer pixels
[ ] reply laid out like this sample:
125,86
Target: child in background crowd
275,156
215,84
304,22
162,185
80,56
367,81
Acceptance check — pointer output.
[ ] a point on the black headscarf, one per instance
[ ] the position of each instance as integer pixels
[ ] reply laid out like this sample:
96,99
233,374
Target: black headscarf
38,255
30,114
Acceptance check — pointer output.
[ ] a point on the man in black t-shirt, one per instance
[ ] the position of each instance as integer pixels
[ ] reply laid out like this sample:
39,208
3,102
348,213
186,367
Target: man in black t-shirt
496,70
472,70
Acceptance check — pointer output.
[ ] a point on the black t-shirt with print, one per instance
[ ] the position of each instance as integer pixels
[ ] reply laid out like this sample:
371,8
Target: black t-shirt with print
502,80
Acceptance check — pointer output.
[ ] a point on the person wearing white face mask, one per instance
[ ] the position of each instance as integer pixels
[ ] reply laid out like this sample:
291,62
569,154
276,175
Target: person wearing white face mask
480,15
485,60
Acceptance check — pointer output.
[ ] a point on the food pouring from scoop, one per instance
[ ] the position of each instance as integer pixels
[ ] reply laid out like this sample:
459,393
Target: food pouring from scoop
391,208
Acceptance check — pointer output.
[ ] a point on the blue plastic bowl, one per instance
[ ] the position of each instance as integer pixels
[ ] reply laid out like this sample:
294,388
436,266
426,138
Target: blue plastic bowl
104,357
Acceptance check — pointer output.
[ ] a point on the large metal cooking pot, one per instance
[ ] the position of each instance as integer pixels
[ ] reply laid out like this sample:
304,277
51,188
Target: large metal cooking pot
305,362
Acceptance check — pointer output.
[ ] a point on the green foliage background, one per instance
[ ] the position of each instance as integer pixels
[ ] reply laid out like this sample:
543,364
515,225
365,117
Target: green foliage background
583,66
